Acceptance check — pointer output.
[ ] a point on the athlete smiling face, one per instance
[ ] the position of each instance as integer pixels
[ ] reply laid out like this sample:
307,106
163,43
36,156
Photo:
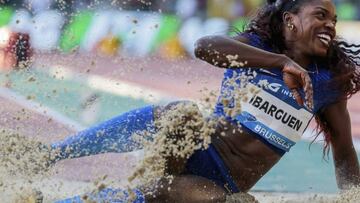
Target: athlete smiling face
313,28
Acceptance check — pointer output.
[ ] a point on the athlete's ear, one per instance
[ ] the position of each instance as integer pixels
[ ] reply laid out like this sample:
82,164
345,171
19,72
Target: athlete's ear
288,18
291,21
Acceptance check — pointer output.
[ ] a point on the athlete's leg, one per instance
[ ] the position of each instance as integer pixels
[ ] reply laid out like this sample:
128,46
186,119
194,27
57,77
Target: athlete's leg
108,195
187,188
114,135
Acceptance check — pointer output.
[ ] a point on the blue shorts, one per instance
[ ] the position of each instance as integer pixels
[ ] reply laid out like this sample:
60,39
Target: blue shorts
208,164
205,163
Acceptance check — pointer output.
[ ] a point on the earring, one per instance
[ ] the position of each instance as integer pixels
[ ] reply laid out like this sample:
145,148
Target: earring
291,26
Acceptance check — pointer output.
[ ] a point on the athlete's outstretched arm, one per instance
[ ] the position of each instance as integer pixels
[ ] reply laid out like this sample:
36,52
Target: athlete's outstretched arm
344,154
227,52
217,49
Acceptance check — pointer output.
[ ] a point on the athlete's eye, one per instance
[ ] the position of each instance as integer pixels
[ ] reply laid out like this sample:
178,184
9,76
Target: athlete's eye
321,15
335,22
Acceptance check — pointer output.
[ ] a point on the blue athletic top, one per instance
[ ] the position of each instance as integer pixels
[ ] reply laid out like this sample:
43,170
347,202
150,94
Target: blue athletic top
271,112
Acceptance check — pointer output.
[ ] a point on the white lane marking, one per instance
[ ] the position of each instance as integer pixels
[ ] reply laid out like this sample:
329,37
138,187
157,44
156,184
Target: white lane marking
40,109
116,87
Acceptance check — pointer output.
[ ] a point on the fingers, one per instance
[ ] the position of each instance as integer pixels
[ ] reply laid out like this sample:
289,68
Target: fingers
304,81
308,89
297,96
294,69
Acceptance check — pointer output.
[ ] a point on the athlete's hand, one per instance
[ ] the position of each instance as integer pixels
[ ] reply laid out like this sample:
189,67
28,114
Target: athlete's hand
296,77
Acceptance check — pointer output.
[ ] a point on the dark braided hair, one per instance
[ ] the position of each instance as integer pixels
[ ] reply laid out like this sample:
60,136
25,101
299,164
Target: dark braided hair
343,59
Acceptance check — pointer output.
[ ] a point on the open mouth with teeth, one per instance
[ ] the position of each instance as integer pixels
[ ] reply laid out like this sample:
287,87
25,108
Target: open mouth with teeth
325,39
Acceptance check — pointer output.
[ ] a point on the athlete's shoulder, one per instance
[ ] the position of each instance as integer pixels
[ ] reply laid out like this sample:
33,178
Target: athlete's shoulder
252,39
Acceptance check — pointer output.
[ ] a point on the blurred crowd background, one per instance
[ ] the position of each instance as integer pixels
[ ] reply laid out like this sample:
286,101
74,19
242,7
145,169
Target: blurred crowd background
166,28
229,9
